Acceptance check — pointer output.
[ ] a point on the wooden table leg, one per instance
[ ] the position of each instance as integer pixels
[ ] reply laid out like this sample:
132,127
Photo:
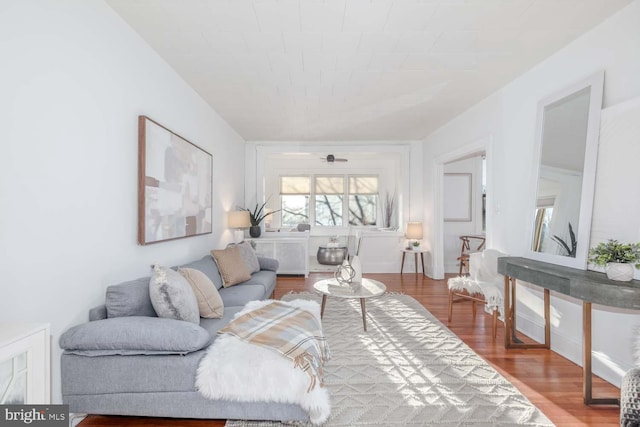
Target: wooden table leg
510,339
587,373
415,259
324,302
364,314
422,258
507,312
402,267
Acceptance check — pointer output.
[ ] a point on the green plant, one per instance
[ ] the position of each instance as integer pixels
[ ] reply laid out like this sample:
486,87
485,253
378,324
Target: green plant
614,251
571,250
258,214
416,243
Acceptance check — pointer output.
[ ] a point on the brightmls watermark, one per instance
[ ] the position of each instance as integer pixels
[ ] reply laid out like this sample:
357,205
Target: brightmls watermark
34,415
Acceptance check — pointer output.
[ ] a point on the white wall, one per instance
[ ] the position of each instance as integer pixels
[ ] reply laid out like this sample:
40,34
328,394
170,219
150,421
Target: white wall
74,78
509,118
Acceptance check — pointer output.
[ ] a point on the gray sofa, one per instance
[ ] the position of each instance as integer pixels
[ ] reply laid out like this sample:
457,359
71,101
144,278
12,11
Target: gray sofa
128,361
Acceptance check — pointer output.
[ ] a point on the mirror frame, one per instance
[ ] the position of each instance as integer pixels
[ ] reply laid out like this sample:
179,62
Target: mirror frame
583,234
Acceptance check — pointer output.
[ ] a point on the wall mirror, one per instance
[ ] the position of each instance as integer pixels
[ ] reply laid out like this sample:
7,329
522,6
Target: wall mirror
565,158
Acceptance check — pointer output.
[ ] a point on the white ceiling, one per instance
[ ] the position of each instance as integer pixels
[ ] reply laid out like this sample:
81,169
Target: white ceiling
354,69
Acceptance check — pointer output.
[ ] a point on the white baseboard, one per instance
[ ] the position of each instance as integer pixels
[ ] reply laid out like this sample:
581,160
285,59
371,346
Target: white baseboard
570,348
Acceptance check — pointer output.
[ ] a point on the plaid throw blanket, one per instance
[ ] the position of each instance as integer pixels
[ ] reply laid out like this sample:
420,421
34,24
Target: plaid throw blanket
291,331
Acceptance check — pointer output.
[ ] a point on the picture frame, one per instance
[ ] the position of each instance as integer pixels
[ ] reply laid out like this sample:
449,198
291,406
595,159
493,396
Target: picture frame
175,180
457,197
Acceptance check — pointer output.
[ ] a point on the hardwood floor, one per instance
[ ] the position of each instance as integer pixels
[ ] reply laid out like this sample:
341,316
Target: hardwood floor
549,381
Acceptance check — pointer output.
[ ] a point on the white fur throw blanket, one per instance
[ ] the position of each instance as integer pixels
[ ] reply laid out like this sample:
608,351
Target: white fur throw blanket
236,370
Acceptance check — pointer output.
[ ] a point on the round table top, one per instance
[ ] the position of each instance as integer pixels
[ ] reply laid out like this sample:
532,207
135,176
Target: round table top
366,289
415,251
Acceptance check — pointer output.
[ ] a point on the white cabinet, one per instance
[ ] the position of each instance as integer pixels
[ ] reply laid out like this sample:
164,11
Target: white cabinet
290,250
25,363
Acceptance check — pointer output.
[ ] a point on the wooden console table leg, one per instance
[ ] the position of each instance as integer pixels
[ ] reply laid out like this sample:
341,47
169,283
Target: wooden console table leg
510,339
402,267
415,259
587,373
507,312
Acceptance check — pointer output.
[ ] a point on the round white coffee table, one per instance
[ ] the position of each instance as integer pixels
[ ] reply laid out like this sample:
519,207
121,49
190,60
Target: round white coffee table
368,288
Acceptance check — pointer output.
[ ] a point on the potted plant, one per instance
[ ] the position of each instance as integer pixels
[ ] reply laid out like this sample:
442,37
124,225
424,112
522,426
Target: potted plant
618,259
256,216
416,245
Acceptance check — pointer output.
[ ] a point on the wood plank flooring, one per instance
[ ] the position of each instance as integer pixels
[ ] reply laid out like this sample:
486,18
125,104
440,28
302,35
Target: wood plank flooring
551,382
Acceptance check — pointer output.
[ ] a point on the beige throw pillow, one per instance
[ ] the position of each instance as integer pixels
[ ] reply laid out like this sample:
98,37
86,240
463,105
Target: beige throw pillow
231,266
210,304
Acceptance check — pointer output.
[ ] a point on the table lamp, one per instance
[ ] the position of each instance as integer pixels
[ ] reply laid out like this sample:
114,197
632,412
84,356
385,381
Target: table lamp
238,220
414,232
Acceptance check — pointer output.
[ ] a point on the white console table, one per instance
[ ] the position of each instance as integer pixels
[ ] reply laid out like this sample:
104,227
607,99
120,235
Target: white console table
25,363
290,249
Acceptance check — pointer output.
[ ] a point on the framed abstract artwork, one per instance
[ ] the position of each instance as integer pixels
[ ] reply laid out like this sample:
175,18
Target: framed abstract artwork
174,185
457,197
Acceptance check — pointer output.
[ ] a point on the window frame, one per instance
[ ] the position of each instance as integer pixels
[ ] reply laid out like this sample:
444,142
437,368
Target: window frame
346,194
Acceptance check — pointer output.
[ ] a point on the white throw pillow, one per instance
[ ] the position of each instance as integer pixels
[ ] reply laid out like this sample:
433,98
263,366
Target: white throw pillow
172,296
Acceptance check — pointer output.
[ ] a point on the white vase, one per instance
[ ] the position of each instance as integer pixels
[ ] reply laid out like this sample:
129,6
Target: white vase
357,268
622,272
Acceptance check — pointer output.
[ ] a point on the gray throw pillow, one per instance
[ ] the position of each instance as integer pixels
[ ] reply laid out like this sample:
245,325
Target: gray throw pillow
129,299
248,256
172,296
134,335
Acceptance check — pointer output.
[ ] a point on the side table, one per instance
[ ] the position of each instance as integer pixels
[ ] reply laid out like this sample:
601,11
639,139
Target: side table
415,253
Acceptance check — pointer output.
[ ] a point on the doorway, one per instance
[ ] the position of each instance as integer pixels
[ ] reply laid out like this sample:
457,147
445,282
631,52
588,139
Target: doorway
464,188
446,163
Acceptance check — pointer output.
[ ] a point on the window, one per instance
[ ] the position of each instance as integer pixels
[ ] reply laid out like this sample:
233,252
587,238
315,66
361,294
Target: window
363,200
338,200
329,191
294,200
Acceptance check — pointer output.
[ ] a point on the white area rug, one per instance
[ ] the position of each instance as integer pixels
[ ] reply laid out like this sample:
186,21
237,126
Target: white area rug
409,370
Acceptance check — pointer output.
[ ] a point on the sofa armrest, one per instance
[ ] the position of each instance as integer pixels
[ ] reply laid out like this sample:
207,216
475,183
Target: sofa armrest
134,335
98,313
268,263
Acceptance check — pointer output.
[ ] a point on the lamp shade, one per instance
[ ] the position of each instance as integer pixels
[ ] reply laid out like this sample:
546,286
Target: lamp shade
238,219
414,230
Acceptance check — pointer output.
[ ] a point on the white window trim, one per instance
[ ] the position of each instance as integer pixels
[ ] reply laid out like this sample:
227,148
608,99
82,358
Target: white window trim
345,199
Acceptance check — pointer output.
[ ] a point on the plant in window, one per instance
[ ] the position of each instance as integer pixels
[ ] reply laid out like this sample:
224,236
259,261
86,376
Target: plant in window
389,209
258,214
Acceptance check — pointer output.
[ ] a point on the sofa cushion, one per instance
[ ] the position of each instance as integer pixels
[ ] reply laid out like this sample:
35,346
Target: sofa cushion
231,266
134,335
129,299
172,296
241,294
248,256
266,279
210,304
208,266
